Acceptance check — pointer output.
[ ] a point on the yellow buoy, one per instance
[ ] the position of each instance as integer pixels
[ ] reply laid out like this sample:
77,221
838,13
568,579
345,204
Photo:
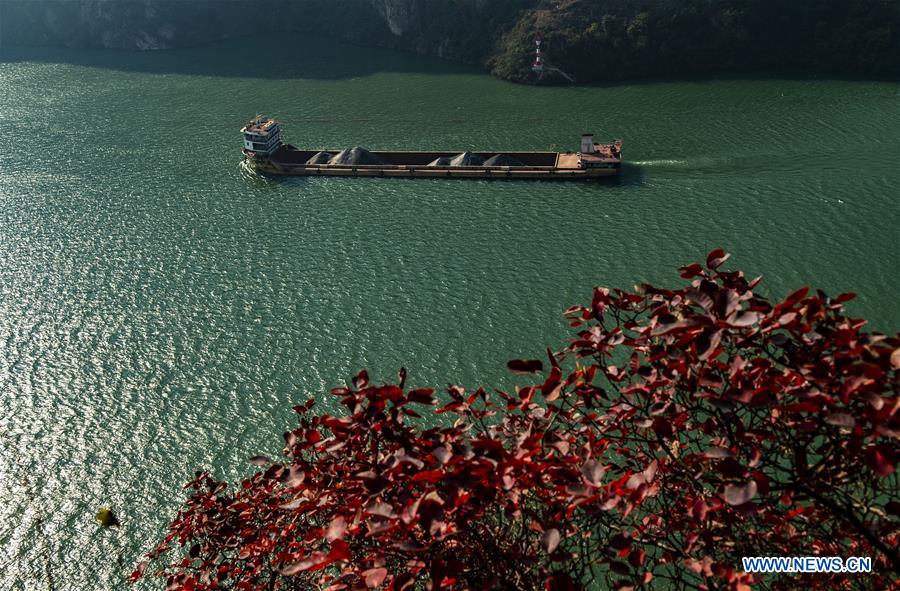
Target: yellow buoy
106,518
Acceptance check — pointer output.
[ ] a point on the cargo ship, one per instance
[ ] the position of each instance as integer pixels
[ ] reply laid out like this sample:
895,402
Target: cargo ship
265,152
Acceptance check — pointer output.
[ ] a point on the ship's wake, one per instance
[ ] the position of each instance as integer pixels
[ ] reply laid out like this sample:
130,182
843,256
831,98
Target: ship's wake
247,172
662,163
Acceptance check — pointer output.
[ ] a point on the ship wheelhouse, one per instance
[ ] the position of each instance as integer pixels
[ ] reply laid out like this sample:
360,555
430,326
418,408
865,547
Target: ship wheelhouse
593,155
262,136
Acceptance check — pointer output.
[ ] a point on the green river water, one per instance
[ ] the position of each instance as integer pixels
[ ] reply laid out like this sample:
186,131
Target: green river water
161,309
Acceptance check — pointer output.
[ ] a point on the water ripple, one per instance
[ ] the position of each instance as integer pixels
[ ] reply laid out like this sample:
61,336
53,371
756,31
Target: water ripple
161,307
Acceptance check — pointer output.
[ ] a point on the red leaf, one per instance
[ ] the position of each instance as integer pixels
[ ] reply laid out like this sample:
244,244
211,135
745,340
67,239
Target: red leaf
718,452
381,509
699,510
525,365
727,302
620,542
715,259
840,419
340,550
139,571
375,577
598,303
550,540
744,319
390,392
361,379
699,298
294,477
428,476
336,529
442,454
422,396
731,468
739,494
292,504
875,400
619,567
787,318
691,271
844,297
707,343
794,298
302,565
560,581
668,324
882,466
593,471
650,471
552,386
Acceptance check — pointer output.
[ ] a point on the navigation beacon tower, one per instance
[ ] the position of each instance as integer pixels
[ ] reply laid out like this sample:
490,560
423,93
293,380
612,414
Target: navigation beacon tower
538,66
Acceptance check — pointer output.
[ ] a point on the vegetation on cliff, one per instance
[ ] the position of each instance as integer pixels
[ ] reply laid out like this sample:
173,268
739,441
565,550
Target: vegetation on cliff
679,430
615,39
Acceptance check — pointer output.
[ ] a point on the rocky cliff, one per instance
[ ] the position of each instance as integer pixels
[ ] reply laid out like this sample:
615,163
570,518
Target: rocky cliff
164,24
595,40
585,40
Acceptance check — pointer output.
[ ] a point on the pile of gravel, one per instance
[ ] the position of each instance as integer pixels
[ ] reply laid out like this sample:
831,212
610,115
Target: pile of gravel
442,161
320,158
467,159
355,156
502,160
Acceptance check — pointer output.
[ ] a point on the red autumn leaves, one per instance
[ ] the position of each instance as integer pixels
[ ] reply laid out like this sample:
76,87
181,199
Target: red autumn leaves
678,431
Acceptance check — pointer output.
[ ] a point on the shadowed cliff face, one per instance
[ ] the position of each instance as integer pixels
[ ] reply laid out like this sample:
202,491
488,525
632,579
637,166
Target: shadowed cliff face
137,24
588,40
165,24
461,30
422,25
397,15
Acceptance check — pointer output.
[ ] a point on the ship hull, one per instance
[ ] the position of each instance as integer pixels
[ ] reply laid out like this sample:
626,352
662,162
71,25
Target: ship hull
289,161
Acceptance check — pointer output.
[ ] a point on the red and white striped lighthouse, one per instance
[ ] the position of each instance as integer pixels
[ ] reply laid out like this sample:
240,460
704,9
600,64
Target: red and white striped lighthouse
538,65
